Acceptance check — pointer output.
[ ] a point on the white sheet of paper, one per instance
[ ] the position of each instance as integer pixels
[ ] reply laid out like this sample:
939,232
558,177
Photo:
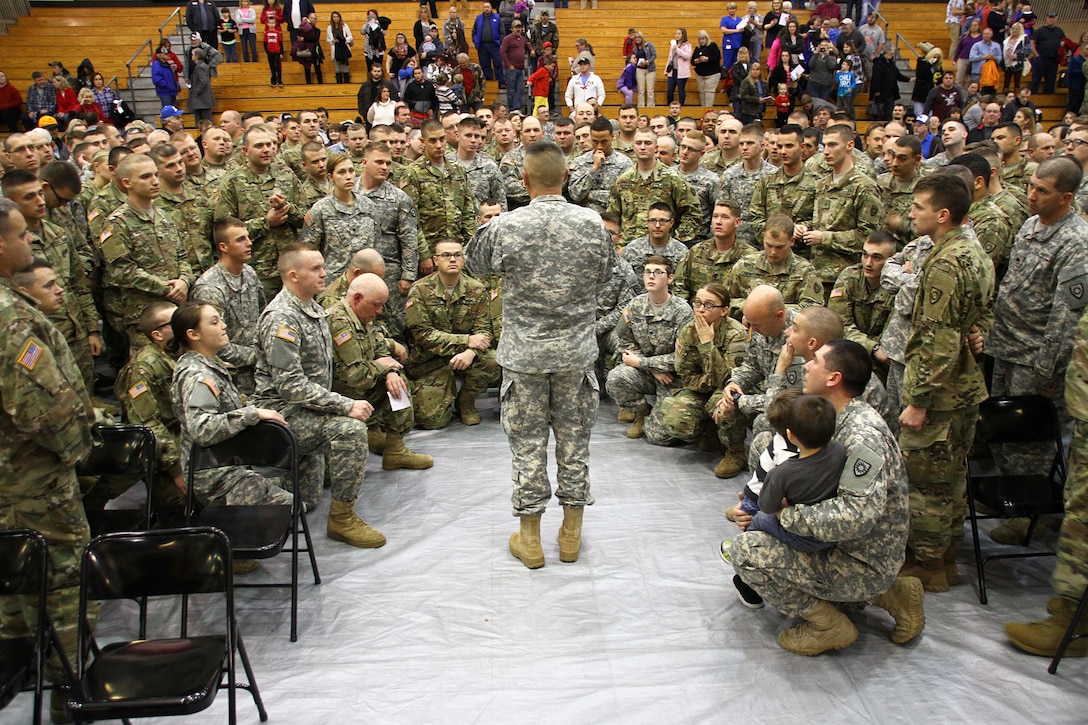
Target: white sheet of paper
400,403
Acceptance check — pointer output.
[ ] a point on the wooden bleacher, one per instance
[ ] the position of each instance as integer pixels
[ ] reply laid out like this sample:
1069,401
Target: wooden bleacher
110,35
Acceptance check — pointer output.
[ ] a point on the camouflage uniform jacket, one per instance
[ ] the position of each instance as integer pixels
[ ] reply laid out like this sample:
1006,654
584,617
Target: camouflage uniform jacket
1016,176
443,202
651,333
143,387
795,278
704,263
993,231
1015,208
76,229
104,203
760,359
864,311
739,184
632,195
613,295
291,156
142,252
440,323
339,230
356,345
397,171
794,196
548,318
239,300
511,166
484,178
592,188
294,358
897,198
704,367
713,161
193,220
49,430
1042,296
902,286
212,174
309,192
955,292
704,185
637,252
1080,198
398,230
1076,375
818,166
492,151
244,195
78,318
846,212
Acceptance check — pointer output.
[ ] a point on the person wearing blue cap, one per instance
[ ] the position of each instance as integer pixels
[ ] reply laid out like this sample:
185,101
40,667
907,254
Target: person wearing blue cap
171,118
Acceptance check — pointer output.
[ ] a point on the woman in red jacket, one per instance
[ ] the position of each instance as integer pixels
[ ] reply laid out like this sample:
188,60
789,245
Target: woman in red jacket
67,103
88,105
11,102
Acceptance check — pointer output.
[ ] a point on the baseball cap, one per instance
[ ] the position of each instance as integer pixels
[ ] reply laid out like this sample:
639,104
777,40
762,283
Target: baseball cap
1052,14
47,121
847,21
547,44
170,112
922,118
583,60
194,36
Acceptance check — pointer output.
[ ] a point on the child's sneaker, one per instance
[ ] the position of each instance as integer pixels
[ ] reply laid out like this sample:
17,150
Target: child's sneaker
748,596
727,551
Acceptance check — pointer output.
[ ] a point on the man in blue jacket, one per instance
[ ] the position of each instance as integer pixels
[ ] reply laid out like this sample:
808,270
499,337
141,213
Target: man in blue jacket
486,36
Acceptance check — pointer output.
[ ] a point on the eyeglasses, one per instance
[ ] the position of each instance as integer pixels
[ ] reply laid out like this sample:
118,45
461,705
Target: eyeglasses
658,222
654,273
1075,142
447,256
705,305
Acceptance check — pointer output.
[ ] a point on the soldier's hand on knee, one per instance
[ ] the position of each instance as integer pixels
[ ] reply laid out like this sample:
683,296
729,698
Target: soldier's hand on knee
269,414
361,410
631,359
394,383
665,378
462,360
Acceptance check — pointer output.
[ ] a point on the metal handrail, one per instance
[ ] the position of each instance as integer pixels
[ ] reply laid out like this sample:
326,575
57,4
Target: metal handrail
12,10
128,65
177,11
899,37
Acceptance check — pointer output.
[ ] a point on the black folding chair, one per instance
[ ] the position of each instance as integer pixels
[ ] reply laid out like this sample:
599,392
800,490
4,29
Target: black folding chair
158,677
1004,420
127,452
258,531
24,559
1070,634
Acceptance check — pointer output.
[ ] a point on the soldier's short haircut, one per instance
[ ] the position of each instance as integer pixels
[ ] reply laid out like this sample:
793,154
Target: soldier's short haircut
812,421
657,259
447,240
290,256
842,131
779,226
545,164
1064,171
366,260
611,216
76,134
431,126
149,318
352,127
99,157
223,226
490,201
731,205
563,121
882,238
61,174
661,206
851,361
946,191
584,124
953,120
14,178
247,137
163,151
7,206
251,114
25,277
375,147
117,153
810,133
468,122
179,136
718,290
127,167
911,143
791,129
989,151
396,127
753,129
80,149
778,410
978,166
601,124
1011,127
697,136
310,147
628,107
820,322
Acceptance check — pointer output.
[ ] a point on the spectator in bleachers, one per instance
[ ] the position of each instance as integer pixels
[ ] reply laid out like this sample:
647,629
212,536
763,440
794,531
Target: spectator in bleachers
294,12
306,47
247,25
962,56
678,66
88,105
67,102
706,59
11,103
202,18
338,36
486,35
646,54
164,78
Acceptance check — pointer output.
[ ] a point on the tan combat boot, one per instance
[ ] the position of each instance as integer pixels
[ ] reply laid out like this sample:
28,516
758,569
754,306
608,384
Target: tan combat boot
397,455
1043,638
1012,532
635,429
951,571
733,462
930,571
344,525
709,443
904,601
466,406
625,416
825,628
375,438
570,534
525,544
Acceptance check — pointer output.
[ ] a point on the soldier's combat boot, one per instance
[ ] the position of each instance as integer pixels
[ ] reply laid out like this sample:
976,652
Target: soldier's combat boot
825,628
344,525
904,601
375,438
570,534
625,416
397,455
709,443
951,571
1012,532
245,566
733,462
930,571
1042,638
635,429
525,544
466,406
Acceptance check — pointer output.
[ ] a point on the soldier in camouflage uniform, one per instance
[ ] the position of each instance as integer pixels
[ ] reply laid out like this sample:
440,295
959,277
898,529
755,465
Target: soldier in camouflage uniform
343,222
1076,148
210,410
364,369
703,182
991,225
145,256
897,185
942,383
777,266
1016,170
595,172
650,182
727,153
314,185
847,210
707,350
547,350
512,163
738,182
264,196
659,242
712,260
61,187
294,377
859,298
484,176
867,520
41,440
790,190
189,215
819,166
451,337
232,287
612,298
107,200
310,129
647,345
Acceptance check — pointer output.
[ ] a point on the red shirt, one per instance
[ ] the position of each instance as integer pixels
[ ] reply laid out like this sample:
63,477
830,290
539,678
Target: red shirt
10,97
541,81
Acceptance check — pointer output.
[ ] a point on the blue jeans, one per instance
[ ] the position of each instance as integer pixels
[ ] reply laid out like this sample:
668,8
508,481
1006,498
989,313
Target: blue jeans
230,52
515,87
490,62
769,524
674,84
249,46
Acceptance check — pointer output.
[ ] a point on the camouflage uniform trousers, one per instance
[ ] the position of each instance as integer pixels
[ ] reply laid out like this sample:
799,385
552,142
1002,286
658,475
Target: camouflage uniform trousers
393,313
679,418
433,392
566,403
240,487
935,459
1012,379
629,387
339,439
58,516
1071,570
732,431
383,417
894,386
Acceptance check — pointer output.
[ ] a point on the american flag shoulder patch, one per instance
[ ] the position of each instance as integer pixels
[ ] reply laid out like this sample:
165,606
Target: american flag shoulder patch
837,292
627,315
286,333
137,390
32,352
409,303
342,337
212,385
